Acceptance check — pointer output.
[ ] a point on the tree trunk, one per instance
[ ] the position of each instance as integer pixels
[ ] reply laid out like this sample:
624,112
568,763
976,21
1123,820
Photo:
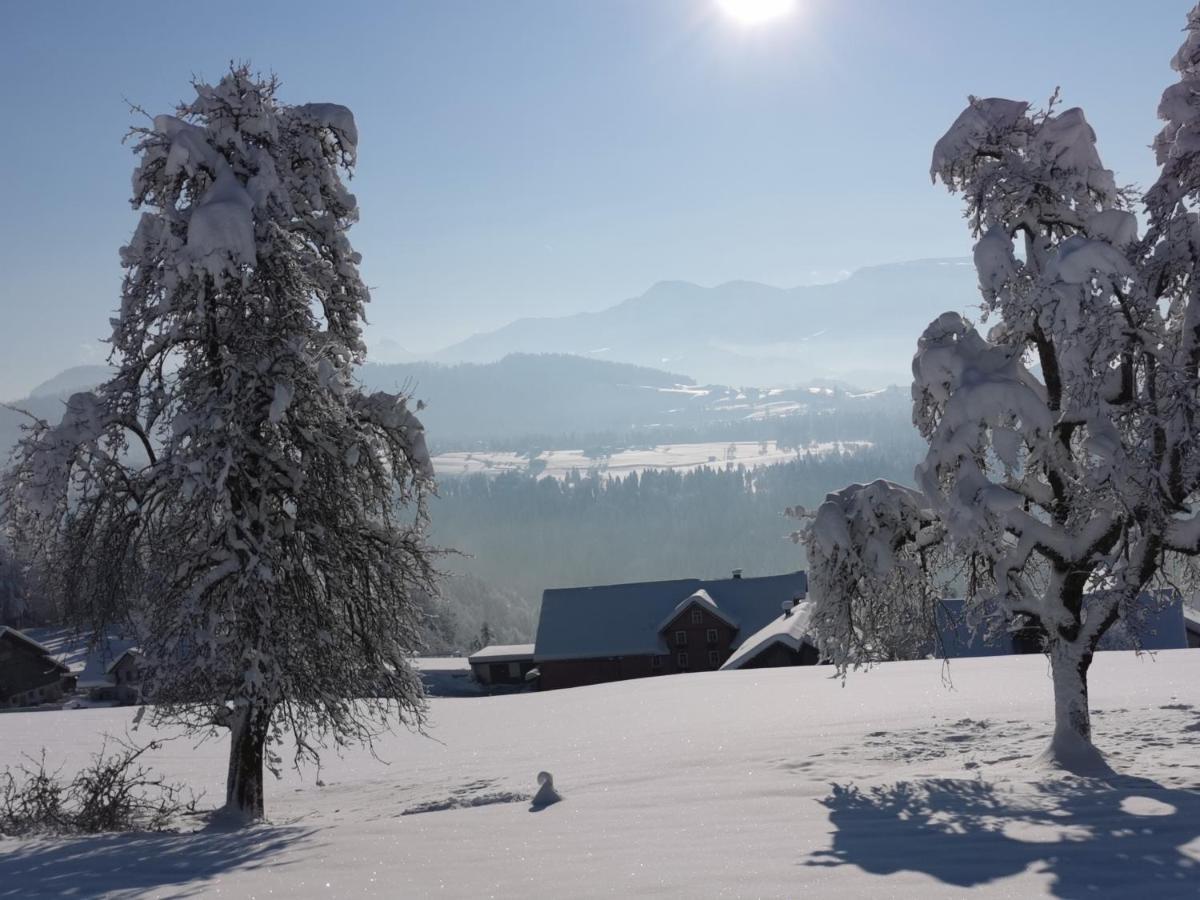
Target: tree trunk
244,786
1069,668
1071,747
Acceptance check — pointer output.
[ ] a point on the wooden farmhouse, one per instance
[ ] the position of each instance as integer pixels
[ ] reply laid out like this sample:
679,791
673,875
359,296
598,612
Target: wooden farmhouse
29,674
589,635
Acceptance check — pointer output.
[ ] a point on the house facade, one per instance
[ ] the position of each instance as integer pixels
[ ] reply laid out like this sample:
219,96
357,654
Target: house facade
590,635
29,674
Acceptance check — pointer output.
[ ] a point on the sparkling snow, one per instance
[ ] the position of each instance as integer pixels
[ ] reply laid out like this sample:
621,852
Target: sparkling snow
767,783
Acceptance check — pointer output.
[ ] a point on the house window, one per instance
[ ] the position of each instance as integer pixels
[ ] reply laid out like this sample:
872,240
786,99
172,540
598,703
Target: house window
681,660
697,617
655,663
714,659
681,639
711,635
514,670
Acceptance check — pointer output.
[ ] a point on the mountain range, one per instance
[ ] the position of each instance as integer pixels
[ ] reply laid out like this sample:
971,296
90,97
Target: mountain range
861,330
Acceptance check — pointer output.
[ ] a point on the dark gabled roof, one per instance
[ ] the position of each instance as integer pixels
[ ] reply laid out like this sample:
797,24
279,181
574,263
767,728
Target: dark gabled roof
624,619
7,631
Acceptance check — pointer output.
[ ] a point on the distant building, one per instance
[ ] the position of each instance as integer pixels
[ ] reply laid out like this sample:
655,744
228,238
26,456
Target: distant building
1191,624
29,674
1163,627
502,664
125,674
590,635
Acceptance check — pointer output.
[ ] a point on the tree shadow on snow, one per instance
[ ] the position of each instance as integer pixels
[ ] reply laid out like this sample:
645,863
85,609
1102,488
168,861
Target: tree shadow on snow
1114,837
170,865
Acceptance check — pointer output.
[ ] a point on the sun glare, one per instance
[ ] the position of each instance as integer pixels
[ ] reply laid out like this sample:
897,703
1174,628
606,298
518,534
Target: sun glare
756,12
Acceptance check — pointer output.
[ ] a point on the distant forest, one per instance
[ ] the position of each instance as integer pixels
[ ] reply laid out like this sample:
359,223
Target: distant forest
522,535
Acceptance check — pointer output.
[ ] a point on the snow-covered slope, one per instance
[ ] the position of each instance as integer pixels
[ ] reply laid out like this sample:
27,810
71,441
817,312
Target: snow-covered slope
676,457
768,783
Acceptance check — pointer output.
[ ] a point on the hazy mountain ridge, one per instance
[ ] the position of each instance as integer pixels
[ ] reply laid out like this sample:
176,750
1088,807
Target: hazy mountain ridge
558,400
862,329
555,399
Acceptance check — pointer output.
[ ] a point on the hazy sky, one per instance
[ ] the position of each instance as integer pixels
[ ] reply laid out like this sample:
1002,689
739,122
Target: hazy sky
537,157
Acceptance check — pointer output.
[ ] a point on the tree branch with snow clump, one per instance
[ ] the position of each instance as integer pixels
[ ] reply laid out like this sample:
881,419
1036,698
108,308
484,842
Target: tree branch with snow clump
1062,467
231,489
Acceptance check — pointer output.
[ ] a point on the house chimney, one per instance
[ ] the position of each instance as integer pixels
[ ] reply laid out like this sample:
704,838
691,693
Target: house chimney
737,573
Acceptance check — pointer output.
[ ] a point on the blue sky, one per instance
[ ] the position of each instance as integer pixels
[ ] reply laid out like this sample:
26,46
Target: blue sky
539,157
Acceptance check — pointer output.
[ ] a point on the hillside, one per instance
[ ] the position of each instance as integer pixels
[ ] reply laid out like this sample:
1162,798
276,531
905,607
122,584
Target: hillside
861,330
769,783
555,401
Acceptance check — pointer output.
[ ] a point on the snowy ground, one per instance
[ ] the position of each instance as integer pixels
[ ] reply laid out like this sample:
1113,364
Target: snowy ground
680,457
777,783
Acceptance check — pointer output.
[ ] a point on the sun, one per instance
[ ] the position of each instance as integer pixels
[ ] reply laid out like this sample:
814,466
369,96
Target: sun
756,12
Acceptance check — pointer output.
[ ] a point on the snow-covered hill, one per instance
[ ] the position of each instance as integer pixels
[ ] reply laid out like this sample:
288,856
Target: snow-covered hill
769,783
673,457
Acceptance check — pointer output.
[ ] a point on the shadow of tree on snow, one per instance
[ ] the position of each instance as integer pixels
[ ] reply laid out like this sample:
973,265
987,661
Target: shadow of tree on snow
130,864
1118,836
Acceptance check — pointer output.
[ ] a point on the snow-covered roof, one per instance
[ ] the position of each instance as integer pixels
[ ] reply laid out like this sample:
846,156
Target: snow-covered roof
132,651
499,653
1191,617
87,658
702,599
625,619
790,629
6,630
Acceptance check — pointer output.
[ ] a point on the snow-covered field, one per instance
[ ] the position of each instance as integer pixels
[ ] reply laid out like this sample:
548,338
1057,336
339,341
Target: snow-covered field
769,783
679,457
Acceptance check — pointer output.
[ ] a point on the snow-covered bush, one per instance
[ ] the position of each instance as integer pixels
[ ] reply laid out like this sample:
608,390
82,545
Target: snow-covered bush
1062,471
230,488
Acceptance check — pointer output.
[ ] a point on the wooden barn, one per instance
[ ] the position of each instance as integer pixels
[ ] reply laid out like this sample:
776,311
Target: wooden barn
29,674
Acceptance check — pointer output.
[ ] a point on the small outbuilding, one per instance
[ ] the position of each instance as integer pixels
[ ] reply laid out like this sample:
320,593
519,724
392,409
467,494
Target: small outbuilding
497,664
29,674
784,641
125,673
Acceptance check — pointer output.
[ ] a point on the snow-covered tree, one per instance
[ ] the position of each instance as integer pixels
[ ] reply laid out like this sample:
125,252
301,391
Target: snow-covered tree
1062,472
230,488
15,608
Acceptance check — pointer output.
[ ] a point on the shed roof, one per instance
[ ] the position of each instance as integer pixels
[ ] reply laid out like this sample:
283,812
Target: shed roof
789,629
625,619
498,653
